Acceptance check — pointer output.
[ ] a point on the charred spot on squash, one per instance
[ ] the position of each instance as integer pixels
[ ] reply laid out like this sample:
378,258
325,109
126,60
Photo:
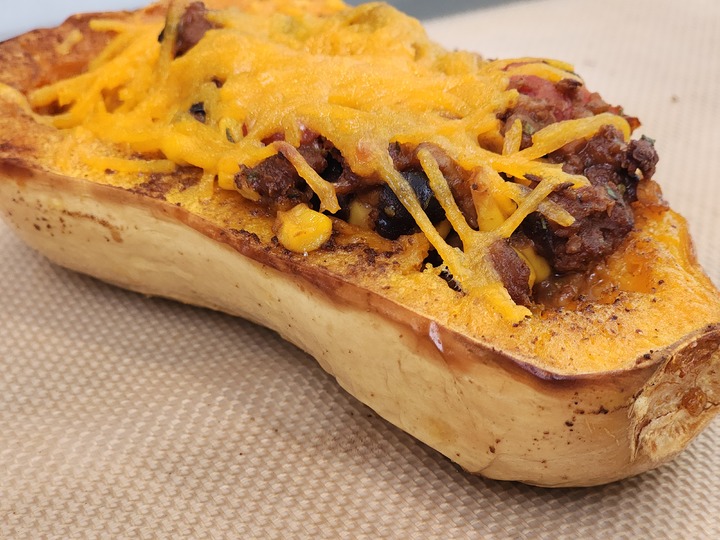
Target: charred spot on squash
159,185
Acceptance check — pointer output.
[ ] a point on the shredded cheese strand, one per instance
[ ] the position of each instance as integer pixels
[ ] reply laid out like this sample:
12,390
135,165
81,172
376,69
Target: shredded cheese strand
555,136
554,212
443,194
529,205
513,138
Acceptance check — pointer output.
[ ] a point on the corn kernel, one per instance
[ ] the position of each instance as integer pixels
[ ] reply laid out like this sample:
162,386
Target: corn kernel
539,267
302,229
360,214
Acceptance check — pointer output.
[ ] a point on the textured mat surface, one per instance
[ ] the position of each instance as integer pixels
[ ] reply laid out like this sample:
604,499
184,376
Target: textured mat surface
128,417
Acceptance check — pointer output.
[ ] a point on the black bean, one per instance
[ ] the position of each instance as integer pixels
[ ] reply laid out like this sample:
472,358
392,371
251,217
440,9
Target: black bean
198,111
393,218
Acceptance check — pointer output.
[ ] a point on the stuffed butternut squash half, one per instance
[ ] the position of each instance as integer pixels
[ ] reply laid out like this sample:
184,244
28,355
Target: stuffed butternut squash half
474,248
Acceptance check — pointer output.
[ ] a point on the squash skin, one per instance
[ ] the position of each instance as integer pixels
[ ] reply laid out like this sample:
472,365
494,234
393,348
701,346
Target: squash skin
493,411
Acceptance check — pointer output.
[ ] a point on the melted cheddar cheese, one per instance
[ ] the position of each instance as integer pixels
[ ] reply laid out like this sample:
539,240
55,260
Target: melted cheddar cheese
363,78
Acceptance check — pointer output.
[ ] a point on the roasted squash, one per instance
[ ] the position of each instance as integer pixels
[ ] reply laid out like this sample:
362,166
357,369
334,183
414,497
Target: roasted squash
547,388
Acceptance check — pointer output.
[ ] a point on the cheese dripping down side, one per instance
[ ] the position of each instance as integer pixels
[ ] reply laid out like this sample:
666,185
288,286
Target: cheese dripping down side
363,78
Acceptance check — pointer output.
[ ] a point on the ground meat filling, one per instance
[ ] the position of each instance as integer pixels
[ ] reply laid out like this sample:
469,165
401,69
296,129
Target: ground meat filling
191,28
514,273
275,179
602,211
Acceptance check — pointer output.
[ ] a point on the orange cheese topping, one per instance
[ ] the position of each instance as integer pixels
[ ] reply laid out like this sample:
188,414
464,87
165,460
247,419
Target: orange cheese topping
363,78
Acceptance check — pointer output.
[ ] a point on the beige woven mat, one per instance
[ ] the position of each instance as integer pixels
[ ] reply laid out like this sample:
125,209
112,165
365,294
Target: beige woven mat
128,417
